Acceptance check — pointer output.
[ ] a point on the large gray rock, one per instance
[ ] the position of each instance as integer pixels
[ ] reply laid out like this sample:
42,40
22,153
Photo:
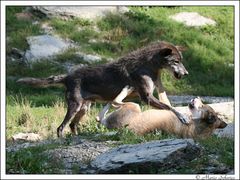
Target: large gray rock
88,12
158,154
45,46
192,19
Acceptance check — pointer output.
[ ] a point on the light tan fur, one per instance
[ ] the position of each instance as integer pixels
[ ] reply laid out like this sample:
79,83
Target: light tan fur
129,115
162,96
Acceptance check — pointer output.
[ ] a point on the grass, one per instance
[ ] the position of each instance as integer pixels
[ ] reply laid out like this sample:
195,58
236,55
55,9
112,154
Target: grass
23,116
215,152
210,51
32,160
17,30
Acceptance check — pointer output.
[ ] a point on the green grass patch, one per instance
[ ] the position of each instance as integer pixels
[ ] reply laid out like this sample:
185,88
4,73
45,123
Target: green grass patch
43,68
222,147
17,30
216,152
32,160
76,29
23,116
210,48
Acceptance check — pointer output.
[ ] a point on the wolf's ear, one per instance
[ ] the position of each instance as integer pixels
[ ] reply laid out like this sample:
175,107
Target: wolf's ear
165,52
181,48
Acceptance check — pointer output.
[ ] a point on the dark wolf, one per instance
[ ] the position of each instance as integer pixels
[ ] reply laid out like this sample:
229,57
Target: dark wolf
140,69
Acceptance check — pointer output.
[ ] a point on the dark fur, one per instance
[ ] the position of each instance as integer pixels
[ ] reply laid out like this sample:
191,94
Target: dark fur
138,69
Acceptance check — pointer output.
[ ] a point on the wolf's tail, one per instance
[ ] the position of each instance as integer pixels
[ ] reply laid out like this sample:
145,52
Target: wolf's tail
43,82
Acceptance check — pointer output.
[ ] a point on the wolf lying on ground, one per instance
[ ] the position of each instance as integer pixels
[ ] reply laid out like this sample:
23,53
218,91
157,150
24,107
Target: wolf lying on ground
203,120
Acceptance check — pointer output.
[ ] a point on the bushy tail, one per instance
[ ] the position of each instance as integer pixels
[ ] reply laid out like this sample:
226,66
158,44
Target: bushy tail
43,82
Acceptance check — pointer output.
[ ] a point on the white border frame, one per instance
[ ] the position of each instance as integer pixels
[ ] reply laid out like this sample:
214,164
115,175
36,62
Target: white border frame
125,3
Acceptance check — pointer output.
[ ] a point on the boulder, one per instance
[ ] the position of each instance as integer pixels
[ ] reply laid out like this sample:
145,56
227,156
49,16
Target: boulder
159,155
192,19
86,12
45,46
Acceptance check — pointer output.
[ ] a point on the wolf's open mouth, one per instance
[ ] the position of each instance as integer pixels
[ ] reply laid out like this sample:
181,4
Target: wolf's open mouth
177,75
191,105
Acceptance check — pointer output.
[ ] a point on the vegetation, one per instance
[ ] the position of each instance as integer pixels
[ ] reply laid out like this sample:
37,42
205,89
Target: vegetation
44,120
208,60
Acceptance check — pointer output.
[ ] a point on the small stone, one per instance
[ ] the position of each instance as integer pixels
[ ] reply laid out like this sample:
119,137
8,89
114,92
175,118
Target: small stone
47,28
16,53
192,19
26,137
35,22
92,41
26,16
88,57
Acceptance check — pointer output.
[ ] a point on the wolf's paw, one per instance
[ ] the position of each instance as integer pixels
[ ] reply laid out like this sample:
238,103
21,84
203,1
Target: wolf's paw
183,118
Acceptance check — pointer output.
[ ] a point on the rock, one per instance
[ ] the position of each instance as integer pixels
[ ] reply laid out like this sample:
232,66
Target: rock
69,67
26,137
192,19
225,110
16,53
47,29
35,23
226,132
26,16
88,57
158,154
78,155
88,12
231,65
45,46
